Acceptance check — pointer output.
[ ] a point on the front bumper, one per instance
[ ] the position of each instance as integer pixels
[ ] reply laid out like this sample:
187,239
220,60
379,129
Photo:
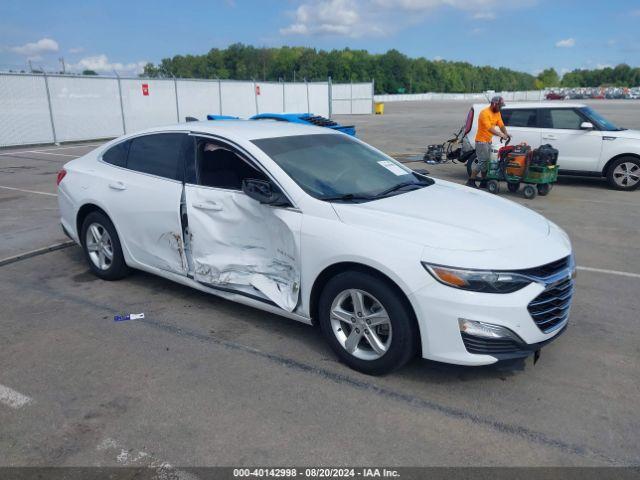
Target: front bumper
439,307
504,348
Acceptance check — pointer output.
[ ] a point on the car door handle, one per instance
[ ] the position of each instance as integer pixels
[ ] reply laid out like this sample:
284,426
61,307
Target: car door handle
550,137
117,186
208,206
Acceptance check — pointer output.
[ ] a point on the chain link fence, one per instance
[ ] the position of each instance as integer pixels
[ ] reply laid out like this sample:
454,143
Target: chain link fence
39,108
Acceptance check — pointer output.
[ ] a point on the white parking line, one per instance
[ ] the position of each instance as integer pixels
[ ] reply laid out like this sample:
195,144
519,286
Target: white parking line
58,154
13,399
609,272
29,191
36,252
40,150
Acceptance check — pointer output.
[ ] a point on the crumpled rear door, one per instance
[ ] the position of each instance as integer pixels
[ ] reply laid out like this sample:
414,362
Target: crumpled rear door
240,245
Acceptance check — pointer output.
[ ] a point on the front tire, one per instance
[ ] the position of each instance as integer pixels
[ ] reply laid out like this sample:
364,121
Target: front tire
367,323
102,248
493,186
529,192
624,174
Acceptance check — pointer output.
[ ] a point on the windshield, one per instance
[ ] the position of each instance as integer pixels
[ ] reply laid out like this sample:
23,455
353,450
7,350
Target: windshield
602,122
337,167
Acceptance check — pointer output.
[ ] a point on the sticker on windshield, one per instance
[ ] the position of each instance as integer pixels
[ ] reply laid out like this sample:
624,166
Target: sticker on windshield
392,167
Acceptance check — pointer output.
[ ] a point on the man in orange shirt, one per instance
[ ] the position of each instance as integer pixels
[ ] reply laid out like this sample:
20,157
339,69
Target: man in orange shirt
489,124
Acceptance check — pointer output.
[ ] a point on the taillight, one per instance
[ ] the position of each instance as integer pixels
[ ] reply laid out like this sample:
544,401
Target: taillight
61,175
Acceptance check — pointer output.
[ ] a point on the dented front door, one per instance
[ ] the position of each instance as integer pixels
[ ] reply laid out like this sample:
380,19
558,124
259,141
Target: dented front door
240,245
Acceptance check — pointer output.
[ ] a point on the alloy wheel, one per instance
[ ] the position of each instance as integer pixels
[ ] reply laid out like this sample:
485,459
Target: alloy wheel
99,246
361,324
627,174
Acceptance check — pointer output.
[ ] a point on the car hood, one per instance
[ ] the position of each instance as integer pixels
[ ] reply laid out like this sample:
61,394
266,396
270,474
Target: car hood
630,134
448,216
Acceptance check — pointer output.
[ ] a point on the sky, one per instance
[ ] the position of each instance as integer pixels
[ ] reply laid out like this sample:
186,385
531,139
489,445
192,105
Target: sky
526,35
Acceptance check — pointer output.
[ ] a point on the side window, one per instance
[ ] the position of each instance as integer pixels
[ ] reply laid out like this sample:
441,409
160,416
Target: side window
520,117
563,118
117,155
158,154
220,166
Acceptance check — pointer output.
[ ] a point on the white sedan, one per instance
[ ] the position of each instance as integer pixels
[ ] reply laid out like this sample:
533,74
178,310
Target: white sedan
320,227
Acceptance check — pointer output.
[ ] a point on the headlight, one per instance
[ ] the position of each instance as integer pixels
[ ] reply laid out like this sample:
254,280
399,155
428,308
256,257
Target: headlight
484,281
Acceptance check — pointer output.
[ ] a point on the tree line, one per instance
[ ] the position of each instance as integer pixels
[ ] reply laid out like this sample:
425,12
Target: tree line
393,71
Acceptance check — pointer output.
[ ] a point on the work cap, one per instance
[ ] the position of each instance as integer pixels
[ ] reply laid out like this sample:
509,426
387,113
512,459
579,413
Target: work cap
498,99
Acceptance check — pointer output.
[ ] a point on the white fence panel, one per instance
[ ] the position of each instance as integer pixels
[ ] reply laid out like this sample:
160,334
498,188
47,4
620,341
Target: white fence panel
295,98
271,98
24,111
238,99
319,98
341,98
156,108
85,108
198,99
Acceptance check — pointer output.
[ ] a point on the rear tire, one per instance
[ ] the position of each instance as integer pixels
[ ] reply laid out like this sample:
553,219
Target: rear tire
513,187
544,189
102,248
624,174
367,323
493,186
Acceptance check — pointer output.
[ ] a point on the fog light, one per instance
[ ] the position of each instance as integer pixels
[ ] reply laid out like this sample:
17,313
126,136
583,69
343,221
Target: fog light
486,330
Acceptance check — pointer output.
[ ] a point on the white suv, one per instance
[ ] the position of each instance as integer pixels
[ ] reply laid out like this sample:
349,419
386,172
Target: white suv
588,143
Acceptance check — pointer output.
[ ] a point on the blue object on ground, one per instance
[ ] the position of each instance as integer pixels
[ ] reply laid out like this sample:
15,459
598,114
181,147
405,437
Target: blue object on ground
307,119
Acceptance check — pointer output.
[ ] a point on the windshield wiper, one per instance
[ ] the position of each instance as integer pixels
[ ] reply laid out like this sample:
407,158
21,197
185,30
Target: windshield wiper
347,197
399,186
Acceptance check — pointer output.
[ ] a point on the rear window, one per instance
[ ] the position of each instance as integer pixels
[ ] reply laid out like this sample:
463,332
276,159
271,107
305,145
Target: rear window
520,117
158,154
117,155
561,118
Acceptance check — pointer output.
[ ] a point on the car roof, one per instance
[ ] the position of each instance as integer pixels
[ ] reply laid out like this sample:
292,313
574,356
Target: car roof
554,104
245,129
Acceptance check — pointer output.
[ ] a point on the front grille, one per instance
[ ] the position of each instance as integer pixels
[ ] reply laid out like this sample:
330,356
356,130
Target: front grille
550,309
490,346
548,269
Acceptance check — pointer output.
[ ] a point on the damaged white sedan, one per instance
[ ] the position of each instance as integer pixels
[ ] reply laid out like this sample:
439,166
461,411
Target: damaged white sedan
322,228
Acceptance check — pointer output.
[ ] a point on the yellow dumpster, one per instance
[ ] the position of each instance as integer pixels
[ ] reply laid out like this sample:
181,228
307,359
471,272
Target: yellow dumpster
379,108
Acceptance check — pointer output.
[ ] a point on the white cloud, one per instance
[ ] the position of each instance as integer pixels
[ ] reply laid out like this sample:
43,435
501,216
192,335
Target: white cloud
35,49
360,18
76,50
566,43
101,63
329,17
635,13
484,16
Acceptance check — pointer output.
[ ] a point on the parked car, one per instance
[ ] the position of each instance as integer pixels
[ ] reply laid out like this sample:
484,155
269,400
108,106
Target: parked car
320,227
588,143
555,96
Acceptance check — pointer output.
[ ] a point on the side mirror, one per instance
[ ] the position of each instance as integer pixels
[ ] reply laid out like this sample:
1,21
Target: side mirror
586,126
263,192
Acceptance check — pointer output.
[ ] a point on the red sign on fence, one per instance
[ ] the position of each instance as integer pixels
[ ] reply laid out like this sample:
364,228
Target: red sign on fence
257,89
145,89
